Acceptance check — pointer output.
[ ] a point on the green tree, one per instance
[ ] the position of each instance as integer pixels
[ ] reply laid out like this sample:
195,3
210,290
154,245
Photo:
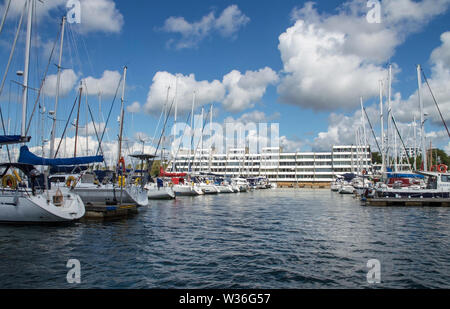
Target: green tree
155,168
376,158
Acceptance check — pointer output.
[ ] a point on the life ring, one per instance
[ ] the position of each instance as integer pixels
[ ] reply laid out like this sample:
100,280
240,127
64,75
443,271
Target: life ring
122,162
9,181
71,181
442,168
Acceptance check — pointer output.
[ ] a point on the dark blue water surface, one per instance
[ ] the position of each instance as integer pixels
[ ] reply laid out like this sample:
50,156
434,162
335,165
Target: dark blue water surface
263,239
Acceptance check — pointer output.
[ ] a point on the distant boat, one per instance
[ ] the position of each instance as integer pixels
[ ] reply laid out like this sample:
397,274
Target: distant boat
242,184
438,186
159,192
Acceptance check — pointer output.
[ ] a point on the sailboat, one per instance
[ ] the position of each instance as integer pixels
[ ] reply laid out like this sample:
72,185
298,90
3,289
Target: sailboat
410,185
25,196
119,190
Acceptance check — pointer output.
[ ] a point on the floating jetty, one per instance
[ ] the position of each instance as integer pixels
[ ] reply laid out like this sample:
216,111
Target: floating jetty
108,212
412,202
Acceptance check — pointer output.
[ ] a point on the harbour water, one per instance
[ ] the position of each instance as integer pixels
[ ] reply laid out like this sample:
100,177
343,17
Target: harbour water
263,239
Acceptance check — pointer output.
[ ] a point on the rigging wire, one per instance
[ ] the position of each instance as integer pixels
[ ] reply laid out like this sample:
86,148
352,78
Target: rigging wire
7,70
371,128
109,114
65,128
4,16
435,102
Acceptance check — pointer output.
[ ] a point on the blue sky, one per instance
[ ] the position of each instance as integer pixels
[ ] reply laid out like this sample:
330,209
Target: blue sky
140,34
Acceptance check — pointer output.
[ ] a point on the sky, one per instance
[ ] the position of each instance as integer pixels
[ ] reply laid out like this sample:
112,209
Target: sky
302,64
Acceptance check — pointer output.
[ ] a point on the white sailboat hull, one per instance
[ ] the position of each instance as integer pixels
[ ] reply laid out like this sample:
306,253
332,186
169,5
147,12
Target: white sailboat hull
23,207
209,189
165,193
181,190
108,194
225,189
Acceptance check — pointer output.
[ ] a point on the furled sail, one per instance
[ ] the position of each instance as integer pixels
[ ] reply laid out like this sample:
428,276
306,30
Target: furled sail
13,139
29,158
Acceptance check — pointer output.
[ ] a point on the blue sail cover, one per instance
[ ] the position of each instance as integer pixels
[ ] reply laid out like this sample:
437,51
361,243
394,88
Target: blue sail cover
404,175
29,158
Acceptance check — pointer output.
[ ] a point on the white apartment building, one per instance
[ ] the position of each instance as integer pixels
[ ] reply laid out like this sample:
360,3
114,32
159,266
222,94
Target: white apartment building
277,166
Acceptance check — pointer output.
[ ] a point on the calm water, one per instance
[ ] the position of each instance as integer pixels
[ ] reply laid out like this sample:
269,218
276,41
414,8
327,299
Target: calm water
263,239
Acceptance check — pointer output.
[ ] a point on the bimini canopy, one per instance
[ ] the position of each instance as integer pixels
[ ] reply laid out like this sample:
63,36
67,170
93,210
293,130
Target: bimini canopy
404,175
29,158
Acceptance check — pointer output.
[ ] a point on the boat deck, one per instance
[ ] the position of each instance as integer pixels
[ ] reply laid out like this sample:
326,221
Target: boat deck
402,202
105,212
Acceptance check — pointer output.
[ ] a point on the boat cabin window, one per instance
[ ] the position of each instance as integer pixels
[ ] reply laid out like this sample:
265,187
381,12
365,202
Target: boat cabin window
445,178
87,178
432,182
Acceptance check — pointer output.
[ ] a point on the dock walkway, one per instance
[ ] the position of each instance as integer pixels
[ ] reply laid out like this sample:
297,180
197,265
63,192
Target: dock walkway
102,211
402,202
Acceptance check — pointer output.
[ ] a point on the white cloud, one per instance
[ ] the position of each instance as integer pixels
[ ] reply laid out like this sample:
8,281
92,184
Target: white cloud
227,25
91,128
291,145
332,60
106,85
205,92
255,116
68,81
96,15
410,14
43,11
236,92
320,75
245,90
441,55
341,130
134,108
230,21
100,15
438,81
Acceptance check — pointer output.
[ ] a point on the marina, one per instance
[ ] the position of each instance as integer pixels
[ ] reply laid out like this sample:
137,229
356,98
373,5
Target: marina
280,238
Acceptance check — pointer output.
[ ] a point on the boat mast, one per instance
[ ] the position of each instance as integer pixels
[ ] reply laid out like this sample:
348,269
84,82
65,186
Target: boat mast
422,119
192,131
87,122
210,137
58,83
78,118
122,114
26,68
389,116
363,123
176,100
383,157
201,143
415,143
